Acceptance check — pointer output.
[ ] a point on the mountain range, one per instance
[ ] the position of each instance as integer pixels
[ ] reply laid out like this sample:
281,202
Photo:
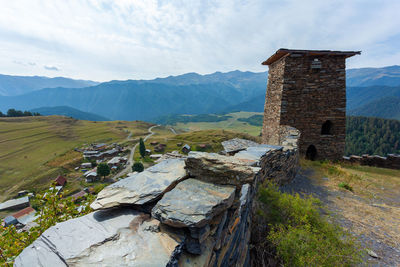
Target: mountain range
193,93
18,85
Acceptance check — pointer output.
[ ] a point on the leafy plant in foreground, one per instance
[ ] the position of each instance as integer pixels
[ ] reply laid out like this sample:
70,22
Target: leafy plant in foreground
52,209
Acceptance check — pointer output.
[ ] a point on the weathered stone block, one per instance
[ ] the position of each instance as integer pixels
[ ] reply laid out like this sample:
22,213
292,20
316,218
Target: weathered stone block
142,187
219,169
193,203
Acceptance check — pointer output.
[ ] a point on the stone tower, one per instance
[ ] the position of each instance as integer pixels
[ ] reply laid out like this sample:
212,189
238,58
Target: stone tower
307,90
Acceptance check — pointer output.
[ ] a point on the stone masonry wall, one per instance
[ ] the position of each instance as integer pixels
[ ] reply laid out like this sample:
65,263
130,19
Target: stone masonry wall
306,98
391,161
272,107
194,211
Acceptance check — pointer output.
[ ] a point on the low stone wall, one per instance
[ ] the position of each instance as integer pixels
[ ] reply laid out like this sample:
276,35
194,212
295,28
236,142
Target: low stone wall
196,211
391,161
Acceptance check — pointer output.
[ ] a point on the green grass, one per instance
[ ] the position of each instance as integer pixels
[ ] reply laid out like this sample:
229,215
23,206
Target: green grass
372,207
212,138
300,235
33,150
231,124
346,186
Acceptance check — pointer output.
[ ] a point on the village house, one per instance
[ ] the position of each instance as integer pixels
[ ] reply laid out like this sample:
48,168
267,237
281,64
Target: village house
115,161
87,154
14,204
86,165
78,196
22,193
25,216
186,148
91,175
9,220
160,147
99,147
60,181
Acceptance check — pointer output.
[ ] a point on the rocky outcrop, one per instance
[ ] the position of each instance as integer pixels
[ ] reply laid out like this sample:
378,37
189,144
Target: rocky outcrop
193,203
121,237
219,169
236,144
160,218
143,187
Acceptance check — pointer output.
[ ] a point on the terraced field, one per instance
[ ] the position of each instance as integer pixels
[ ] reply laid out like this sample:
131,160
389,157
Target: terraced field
33,150
231,124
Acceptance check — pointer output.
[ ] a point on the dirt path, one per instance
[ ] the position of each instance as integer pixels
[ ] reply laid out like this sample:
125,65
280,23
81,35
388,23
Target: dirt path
128,167
377,231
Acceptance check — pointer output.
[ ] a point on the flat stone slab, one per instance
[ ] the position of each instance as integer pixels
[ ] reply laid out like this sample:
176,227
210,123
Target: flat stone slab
193,203
103,238
237,144
220,169
143,187
252,155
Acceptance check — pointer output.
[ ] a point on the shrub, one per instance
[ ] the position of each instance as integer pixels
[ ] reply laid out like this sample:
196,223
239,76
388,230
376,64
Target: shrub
103,169
137,167
142,148
52,209
346,186
300,235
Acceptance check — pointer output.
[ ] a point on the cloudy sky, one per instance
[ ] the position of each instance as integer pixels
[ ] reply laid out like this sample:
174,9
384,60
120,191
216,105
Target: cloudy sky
132,39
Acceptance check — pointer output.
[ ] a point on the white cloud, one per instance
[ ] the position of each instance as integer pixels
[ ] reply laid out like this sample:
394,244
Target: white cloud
51,68
110,39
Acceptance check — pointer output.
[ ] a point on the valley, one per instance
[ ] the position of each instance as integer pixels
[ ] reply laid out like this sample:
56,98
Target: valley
35,150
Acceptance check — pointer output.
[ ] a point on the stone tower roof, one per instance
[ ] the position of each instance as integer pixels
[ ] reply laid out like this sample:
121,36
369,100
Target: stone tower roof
284,51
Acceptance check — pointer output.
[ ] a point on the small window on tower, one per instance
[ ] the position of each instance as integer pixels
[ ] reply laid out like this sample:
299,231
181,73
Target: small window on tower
316,64
326,128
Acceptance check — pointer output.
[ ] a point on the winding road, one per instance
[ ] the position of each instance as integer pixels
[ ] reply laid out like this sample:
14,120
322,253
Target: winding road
128,167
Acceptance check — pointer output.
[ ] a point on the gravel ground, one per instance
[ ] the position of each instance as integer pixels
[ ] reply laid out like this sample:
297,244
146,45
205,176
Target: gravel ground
302,184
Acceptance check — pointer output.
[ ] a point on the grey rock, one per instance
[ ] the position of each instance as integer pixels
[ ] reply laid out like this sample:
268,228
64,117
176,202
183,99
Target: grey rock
203,260
237,144
372,254
219,169
253,155
143,187
244,196
103,238
200,233
193,203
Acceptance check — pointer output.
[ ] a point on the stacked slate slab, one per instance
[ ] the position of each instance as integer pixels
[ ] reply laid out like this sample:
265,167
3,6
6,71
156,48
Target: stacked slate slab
180,212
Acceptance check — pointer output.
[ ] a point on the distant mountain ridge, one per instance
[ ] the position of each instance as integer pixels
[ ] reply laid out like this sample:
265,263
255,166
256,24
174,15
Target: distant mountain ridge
387,107
69,112
388,76
191,93
18,85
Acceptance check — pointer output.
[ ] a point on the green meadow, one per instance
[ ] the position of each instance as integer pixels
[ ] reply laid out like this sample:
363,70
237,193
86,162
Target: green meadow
34,150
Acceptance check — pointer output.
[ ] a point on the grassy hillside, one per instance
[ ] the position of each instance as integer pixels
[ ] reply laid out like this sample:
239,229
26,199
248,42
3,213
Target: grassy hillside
69,112
36,149
211,137
232,123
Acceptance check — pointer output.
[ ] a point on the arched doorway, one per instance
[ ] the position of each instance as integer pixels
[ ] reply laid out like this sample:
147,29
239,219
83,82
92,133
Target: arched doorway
311,152
326,128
